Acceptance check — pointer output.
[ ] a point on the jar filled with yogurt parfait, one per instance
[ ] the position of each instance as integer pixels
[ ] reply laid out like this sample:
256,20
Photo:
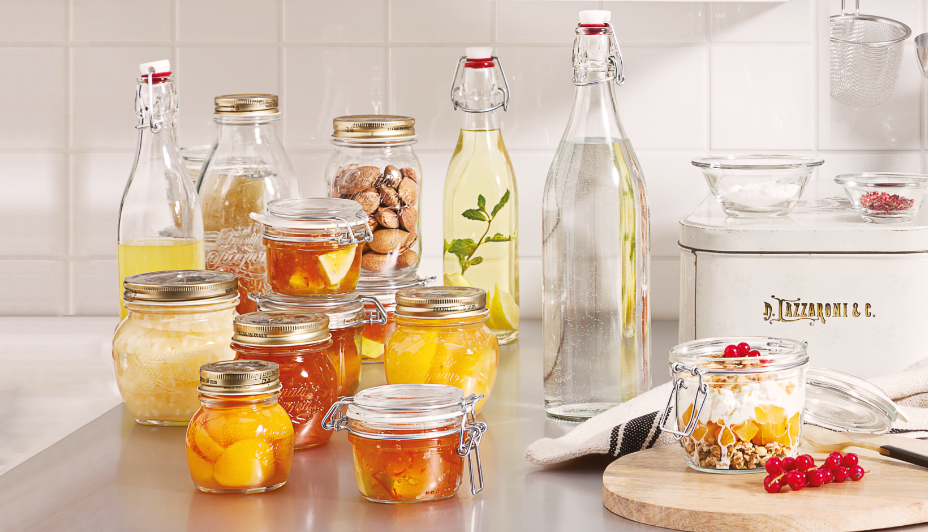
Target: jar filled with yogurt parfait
314,245
442,338
379,295
409,441
298,344
240,440
375,165
737,401
177,321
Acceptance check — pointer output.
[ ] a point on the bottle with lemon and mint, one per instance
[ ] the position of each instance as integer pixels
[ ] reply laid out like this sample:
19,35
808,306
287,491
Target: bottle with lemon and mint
481,216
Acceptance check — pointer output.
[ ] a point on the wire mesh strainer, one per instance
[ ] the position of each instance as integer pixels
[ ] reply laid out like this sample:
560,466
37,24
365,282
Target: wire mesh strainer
865,55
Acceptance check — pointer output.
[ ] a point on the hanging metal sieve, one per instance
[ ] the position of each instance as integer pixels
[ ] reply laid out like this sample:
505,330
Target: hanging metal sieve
865,55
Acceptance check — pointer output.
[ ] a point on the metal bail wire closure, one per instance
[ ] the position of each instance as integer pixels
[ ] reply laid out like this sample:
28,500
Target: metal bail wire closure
674,401
456,87
376,317
616,62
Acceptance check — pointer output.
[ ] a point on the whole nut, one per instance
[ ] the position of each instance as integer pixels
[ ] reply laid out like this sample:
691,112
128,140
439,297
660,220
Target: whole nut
408,191
341,173
391,176
375,262
387,240
369,200
410,242
410,173
387,217
359,179
389,196
409,217
407,259
372,224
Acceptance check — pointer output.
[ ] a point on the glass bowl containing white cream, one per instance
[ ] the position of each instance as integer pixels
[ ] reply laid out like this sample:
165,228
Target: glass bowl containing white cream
757,186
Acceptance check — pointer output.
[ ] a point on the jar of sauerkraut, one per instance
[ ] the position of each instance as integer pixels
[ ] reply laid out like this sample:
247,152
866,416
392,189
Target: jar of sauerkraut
178,320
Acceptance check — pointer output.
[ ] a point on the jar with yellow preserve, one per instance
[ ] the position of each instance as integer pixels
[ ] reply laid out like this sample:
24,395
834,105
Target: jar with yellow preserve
442,338
240,440
379,296
177,321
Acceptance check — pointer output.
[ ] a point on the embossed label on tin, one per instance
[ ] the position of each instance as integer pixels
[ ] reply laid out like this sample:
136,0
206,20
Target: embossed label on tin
795,310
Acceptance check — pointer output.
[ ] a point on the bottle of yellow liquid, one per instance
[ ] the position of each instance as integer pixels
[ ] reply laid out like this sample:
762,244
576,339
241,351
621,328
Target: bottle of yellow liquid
481,213
160,222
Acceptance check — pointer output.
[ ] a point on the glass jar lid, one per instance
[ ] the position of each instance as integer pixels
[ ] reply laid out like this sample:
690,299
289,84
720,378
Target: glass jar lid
280,328
384,289
332,215
407,407
374,127
239,377
343,310
845,403
246,104
441,302
775,354
181,286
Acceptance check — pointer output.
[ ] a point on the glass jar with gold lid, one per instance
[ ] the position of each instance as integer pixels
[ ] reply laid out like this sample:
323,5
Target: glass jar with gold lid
442,338
298,343
177,321
240,440
375,165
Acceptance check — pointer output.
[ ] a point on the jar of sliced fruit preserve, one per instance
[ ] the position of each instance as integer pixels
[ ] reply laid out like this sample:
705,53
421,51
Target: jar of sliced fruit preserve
177,321
314,245
240,440
737,401
442,338
410,441
347,321
380,304
299,343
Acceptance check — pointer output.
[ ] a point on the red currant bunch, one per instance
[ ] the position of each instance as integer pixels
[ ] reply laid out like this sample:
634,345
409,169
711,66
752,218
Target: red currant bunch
800,472
741,350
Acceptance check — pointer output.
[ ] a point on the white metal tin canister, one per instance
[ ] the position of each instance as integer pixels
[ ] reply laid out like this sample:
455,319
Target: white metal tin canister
856,292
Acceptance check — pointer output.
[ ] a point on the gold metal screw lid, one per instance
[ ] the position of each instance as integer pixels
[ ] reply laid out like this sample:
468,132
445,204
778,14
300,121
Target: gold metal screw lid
250,104
239,377
176,286
281,328
441,302
374,127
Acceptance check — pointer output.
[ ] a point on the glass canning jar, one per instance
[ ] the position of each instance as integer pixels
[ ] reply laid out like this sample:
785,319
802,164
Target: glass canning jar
314,245
380,304
374,164
409,441
298,343
732,414
442,338
177,321
240,440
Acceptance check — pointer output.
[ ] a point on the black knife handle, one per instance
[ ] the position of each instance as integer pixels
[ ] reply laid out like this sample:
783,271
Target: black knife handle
906,455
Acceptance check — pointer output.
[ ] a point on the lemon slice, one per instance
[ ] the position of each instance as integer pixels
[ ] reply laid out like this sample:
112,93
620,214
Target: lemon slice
456,279
371,348
504,312
336,264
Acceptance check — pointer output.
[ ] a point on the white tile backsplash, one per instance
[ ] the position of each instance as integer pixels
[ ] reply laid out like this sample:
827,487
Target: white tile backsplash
703,77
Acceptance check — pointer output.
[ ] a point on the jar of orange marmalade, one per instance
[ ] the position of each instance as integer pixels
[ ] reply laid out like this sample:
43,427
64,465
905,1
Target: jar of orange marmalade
410,440
314,245
298,343
240,440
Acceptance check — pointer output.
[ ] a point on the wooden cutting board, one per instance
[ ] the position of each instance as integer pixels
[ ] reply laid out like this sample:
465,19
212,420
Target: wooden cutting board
656,487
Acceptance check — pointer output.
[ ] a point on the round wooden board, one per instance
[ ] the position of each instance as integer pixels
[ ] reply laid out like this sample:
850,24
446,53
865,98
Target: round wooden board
656,487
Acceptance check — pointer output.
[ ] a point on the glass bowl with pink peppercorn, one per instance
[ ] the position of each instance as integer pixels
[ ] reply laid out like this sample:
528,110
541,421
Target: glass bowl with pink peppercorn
883,197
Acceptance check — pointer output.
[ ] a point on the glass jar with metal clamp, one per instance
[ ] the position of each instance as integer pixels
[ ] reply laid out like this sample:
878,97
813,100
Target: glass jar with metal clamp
314,245
410,440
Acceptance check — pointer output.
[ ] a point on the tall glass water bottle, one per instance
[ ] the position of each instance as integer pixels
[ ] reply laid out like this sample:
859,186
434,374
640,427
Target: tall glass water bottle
595,244
481,213
160,222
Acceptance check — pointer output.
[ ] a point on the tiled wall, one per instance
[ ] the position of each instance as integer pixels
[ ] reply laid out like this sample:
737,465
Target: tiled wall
702,78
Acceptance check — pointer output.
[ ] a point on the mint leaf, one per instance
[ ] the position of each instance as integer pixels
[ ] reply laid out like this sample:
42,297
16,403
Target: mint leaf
474,214
473,262
462,247
447,245
498,237
502,203
481,203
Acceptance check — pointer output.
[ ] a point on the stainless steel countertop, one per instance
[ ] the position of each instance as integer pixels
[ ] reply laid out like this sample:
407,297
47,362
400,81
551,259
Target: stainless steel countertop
113,474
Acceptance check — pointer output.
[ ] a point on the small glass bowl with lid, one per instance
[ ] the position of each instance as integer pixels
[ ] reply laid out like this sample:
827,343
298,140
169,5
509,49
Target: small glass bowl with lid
410,440
883,198
314,245
732,414
379,295
757,186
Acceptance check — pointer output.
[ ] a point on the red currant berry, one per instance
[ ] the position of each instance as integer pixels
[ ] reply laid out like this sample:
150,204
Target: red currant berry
841,474
774,466
839,455
754,353
772,484
832,462
815,478
829,475
788,463
796,480
731,351
743,349
849,460
857,472
804,462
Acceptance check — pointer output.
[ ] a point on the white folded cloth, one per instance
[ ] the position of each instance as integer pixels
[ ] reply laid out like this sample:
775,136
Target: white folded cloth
633,425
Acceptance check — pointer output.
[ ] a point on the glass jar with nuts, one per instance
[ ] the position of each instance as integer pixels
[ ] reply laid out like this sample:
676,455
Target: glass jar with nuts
374,164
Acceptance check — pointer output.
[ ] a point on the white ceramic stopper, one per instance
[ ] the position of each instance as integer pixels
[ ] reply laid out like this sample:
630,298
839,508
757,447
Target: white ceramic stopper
160,66
595,16
479,52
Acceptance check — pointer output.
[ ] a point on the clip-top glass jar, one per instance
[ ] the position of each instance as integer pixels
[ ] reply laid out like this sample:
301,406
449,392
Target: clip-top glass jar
442,338
374,164
241,440
314,245
177,321
732,413
299,344
409,441
380,305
